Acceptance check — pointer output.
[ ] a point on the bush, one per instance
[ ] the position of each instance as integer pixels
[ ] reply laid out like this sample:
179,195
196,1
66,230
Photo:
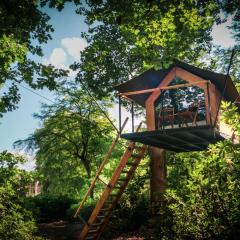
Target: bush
85,211
48,208
202,201
16,223
127,218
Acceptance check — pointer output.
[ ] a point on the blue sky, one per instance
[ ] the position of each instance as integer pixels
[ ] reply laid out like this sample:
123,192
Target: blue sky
61,51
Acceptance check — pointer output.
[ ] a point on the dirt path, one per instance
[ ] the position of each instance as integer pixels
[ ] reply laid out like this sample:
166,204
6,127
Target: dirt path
60,230
63,230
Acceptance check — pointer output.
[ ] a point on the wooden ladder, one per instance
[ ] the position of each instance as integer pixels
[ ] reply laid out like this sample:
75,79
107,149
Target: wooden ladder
99,218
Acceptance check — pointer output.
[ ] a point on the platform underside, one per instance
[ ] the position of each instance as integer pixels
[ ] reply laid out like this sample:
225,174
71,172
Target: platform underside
178,140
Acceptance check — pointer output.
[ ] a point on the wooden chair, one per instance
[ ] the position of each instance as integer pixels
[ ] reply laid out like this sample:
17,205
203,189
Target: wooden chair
191,114
166,115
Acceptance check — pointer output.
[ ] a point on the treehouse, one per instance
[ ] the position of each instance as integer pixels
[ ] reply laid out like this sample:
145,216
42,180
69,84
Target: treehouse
182,106
182,114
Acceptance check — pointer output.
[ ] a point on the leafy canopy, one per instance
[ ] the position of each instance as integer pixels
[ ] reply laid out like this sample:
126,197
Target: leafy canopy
24,29
127,37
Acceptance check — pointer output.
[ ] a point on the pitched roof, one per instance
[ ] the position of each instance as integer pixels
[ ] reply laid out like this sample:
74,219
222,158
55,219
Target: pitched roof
152,78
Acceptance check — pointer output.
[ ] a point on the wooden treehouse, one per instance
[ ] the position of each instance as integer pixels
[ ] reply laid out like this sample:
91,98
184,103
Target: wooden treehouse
182,114
182,106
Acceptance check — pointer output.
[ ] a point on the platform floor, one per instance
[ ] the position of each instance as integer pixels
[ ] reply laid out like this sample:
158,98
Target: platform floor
178,140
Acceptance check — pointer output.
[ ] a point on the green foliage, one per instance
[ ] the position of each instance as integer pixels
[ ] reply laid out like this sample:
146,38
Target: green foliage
125,38
70,144
231,116
16,222
128,218
132,36
201,201
218,60
59,4
23,28
11,51
46,208
85,211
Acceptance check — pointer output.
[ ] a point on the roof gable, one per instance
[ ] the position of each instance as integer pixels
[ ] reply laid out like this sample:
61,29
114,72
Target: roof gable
152,79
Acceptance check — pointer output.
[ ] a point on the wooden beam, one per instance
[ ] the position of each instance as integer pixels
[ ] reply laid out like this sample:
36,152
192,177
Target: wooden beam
138,92
150,114
187,76
163,88
206,97
127,98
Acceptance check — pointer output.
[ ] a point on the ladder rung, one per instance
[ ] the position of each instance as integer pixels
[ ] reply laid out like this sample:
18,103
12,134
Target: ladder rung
138,148
101,216
82,219
131,164
92,231
89,237
104,209
136,155
102,181
129,148
96,224
125,171
113,195
122,179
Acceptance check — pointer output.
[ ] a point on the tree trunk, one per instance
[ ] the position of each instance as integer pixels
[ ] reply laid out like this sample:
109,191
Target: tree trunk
157,176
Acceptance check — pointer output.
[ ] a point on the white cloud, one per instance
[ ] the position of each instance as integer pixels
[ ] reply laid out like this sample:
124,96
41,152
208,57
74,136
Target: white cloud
61,56
57,58
74,46
222,34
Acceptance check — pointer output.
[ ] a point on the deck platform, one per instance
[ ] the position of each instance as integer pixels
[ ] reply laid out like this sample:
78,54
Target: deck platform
183,139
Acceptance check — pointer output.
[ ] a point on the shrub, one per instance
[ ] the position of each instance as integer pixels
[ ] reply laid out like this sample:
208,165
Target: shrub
16,223
47,208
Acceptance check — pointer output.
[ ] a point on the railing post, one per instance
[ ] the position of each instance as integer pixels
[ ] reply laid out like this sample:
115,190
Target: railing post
161,92
132,111
120,112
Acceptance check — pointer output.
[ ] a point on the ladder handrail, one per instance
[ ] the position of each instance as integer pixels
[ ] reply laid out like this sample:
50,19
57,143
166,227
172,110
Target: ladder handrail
100,168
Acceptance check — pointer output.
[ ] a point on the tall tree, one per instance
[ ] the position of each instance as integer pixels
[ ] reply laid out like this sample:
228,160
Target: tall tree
71,142
126,37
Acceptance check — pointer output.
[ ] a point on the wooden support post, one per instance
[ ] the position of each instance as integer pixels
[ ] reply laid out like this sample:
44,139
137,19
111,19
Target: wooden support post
158,176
